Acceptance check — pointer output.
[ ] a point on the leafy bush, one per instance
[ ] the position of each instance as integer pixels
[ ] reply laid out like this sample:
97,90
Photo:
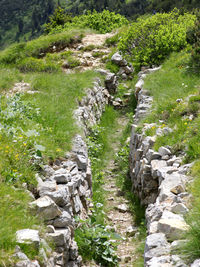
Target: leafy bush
193,36
94,242
148,41
102,22
59,18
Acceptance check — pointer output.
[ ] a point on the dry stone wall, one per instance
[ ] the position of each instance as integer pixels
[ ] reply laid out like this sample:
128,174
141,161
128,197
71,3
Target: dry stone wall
159,180
64,190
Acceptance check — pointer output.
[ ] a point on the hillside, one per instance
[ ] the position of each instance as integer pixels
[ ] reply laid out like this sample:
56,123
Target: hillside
99,143
24,20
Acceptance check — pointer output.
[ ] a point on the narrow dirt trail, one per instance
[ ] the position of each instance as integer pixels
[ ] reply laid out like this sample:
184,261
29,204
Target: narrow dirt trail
90,52
119,215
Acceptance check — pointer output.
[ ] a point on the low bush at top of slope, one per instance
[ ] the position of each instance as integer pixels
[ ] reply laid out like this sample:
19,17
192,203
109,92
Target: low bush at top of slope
149,40
102,22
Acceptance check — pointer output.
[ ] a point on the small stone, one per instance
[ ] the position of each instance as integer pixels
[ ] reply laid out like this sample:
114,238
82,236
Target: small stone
125,258
122,208
131,230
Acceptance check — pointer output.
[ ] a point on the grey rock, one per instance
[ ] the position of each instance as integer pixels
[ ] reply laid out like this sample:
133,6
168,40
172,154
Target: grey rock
27,263
63,221
73,251
196,263
118,60
172,225
50,229
164,151
28,236
46,208
20,255
177,261
156,240
122,208
61,196
179,208
156,252
131,230
62,176
60,237
163,261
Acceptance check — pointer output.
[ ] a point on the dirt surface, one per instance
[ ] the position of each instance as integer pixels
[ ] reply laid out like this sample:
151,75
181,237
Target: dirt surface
92,59
96,39
119,215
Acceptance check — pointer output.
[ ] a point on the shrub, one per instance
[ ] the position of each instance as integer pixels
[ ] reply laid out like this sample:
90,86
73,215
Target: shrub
193,36
148,41
59,18
102,22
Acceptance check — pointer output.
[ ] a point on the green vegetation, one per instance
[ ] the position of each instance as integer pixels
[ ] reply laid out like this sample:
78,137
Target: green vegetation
150,40
193,36
39,47
103,22
35,128
14,216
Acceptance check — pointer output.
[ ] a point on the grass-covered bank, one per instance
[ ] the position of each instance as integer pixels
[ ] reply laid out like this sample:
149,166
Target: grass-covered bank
35,128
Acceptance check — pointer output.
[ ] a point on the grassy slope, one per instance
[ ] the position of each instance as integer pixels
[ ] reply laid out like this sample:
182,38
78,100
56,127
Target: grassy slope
32,125
175,81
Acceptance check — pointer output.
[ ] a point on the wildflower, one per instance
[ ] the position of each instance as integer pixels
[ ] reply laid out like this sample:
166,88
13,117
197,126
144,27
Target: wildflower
25,144
185,123
58,149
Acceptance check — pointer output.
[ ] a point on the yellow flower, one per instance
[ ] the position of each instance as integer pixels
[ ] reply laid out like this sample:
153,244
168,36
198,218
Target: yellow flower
25,144
185,123
58,149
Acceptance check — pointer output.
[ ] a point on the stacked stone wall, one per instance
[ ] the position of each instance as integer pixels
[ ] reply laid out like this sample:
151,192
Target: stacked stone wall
159,180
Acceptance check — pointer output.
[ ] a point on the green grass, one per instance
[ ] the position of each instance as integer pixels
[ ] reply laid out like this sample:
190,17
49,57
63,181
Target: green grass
39,47
32,125
14,216
9,77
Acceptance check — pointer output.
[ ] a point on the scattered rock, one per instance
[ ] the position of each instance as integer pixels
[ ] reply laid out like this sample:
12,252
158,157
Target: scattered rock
122,208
